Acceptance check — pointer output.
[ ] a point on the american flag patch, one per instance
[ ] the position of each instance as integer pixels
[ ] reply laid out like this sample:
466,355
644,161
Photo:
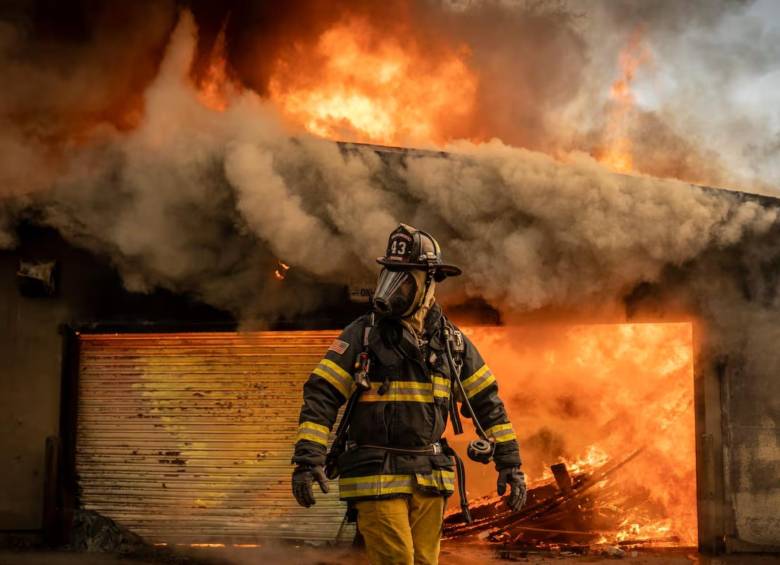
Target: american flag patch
338,346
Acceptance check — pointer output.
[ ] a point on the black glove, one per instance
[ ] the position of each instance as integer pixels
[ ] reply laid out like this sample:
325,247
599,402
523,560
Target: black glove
515,478
302,478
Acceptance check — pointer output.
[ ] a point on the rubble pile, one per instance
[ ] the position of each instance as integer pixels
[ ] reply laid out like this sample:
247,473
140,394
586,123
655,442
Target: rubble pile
581,512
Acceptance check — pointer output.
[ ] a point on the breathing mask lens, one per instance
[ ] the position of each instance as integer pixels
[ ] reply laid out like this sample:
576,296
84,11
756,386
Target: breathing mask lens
395,292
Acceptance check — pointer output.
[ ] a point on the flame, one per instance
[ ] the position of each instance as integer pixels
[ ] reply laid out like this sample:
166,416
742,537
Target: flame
281,270
593,458
658,530
246,545
359,84
618,154
207,545
211,545
591,395
215,87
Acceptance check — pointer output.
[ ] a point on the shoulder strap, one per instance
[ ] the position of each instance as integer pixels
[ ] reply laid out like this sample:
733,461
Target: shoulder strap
454,341
367,330
363,362
362,383
360,377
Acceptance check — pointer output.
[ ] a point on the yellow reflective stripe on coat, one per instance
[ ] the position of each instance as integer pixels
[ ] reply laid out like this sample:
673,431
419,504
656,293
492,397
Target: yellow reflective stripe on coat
380,485
440,479
501,432
335,375
313,432
408,391
375,485
441,386
480,380
399,391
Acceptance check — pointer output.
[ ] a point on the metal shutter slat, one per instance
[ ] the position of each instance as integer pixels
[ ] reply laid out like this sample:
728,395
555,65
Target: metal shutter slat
187,438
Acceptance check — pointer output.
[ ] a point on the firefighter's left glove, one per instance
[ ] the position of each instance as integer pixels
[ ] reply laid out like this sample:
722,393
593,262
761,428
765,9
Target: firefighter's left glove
302,479
515,478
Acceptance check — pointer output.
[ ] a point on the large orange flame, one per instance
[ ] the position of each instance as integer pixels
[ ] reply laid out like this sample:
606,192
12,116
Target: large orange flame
591,395
357,84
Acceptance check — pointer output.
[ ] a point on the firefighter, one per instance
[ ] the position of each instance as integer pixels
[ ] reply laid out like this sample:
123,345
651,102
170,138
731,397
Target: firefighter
395,470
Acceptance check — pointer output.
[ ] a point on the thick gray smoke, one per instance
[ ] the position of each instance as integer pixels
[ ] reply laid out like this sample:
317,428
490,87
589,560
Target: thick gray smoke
207,202
55,88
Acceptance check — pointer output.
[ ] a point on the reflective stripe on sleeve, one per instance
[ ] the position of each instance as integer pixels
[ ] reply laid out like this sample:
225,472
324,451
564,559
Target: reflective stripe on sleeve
313,432
481,379
501,432
335,375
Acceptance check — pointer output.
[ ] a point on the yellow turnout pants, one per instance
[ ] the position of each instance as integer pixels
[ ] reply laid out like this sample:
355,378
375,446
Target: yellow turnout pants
402,531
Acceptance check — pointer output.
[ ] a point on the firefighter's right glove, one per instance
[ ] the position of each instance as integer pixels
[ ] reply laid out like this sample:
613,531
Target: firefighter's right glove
302,478
515,478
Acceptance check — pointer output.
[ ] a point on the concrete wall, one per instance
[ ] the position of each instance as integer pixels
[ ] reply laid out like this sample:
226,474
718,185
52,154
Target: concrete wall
738,391
30,397
751,401
31,357
749,323
734,296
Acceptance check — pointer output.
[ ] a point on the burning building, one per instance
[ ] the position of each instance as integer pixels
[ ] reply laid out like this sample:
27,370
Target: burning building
176,261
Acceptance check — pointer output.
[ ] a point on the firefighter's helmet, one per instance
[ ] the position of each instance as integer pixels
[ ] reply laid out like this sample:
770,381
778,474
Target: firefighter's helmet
410,248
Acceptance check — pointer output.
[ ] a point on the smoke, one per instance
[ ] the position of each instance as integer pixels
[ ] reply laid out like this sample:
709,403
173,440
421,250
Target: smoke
105,137
703,96
59,83
536,233
206,202
706,96
7,236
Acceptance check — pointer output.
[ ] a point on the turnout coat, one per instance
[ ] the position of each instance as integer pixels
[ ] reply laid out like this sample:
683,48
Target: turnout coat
406,407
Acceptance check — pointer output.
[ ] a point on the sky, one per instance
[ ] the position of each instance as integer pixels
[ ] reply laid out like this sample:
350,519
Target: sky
722,84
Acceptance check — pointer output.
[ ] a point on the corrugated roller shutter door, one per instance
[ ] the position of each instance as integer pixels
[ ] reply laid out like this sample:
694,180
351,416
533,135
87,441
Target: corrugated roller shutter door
187,438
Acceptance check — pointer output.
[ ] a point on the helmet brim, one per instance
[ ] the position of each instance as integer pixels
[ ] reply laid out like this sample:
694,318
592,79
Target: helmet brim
442,269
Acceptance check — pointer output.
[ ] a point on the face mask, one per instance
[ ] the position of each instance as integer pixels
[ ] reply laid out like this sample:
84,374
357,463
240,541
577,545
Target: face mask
396,293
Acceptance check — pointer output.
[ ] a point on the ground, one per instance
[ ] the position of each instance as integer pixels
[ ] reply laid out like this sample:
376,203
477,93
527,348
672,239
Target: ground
451,555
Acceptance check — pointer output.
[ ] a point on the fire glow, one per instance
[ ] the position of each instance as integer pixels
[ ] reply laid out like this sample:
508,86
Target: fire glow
591,397
617,153
612,402
280,273
357,85
215,86
362,84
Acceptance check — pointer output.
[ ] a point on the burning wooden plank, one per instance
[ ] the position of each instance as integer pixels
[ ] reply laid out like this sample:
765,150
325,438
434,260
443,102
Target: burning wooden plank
562,477
564,511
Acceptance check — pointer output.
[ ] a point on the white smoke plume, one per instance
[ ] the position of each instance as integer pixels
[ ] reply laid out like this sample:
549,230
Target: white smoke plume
205,202
706,92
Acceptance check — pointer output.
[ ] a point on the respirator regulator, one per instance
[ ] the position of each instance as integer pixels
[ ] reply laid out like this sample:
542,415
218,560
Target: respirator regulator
481,450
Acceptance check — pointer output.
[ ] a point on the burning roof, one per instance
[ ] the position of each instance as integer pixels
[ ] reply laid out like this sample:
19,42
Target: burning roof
203,179
197,152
